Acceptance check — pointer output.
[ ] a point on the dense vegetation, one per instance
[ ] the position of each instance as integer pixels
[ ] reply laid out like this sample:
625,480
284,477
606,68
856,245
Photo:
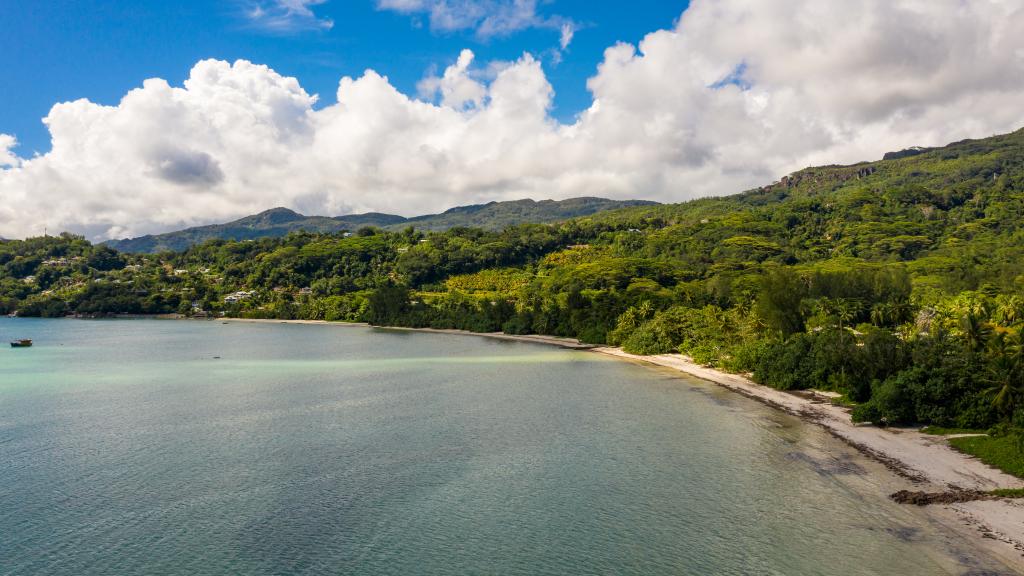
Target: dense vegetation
278,222
897,283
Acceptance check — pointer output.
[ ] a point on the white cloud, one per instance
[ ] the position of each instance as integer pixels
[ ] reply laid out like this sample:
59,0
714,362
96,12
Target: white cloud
7,156
488,18
568,30
457,88
736,95
284,16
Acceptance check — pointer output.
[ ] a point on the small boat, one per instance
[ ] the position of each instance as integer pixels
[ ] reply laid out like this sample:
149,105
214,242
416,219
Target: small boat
23,343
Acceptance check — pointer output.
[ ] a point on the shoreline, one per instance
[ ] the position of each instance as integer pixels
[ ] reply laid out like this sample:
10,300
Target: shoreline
927,461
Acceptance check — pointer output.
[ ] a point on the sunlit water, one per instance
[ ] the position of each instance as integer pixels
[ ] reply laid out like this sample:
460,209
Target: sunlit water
127,448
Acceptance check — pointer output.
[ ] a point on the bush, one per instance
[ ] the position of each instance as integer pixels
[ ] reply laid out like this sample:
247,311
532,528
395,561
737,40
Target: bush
867,412
518,324
746,356
43,307
705,353
592,335
782,364
891,401
648,339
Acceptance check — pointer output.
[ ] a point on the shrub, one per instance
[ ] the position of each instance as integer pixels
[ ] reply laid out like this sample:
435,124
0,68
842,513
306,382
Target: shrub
648,339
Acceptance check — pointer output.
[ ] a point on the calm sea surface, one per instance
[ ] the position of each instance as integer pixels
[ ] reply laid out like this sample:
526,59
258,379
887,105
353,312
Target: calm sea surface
127,448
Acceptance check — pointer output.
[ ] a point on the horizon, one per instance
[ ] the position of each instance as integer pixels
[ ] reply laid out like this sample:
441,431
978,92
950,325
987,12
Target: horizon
492,100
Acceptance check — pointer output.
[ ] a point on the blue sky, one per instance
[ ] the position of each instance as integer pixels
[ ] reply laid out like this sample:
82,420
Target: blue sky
62,50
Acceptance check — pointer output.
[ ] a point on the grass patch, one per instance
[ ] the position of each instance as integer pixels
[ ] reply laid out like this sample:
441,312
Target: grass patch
843,401
1008,492
940,431
1001,452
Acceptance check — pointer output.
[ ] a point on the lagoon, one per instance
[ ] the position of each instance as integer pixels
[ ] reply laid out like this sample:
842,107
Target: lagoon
201,447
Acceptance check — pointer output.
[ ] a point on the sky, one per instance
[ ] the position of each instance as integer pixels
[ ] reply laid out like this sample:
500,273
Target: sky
125,118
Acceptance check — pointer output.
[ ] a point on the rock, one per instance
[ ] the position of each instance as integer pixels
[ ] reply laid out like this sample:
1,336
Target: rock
920,498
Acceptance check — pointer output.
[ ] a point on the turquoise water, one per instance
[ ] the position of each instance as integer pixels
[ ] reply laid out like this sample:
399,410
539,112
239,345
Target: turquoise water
127,448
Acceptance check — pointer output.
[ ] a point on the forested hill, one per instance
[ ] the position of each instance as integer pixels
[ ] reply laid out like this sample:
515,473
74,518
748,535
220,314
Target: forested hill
951,215
272,223
280,221
499,215
897,283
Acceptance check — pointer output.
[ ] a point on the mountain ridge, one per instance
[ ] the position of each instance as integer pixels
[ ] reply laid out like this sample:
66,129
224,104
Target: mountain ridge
279,221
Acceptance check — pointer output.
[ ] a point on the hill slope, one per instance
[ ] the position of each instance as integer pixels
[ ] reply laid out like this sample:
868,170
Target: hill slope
278,222
498,215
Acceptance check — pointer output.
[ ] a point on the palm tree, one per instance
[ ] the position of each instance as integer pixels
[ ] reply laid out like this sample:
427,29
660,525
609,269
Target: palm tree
1007,309
880,314
628,319
645,310
900,311
846,310
823,308
1004,372
1015,349
975,332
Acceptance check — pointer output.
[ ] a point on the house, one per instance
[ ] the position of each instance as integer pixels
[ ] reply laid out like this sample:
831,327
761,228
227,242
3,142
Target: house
238,296
62,261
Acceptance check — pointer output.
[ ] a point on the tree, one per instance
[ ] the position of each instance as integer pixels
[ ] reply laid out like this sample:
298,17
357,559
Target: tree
388,304
779,301
975,332
104,258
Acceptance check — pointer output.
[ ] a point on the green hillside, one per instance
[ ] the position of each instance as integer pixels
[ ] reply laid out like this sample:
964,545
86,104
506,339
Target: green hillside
278,222
499,215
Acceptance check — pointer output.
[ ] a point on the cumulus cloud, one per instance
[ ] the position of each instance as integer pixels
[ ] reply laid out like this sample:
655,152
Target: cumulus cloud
285,16
7,156
737,94
457,87
186,167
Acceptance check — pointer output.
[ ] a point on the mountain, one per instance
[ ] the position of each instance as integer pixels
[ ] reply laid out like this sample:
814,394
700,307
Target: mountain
269,223
278,222
498,215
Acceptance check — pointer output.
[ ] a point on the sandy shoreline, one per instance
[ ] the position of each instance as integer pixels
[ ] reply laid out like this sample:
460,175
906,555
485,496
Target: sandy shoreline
926,460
